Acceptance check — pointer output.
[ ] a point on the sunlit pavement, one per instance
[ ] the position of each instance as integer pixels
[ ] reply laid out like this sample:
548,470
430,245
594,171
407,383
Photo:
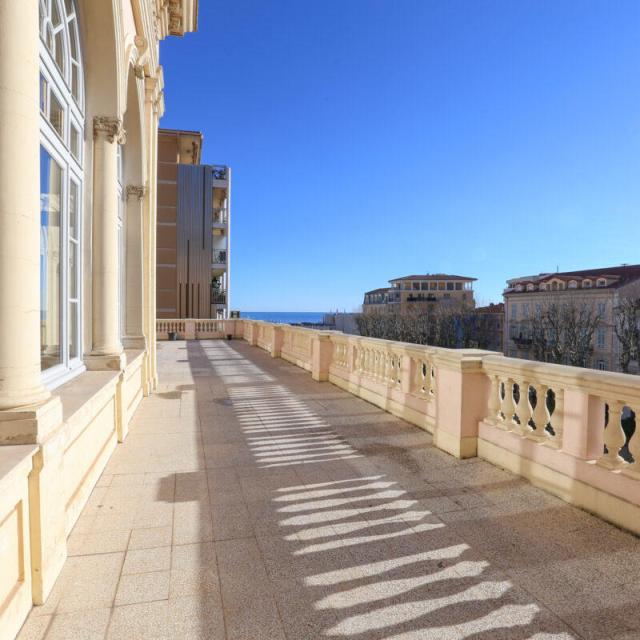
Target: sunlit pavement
250,502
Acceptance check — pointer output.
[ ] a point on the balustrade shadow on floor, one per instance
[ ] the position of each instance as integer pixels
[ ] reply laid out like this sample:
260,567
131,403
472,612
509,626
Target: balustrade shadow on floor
251,502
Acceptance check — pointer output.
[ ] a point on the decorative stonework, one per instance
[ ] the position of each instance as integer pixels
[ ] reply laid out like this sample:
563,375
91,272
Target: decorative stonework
139,71
111,127
176,28
136,191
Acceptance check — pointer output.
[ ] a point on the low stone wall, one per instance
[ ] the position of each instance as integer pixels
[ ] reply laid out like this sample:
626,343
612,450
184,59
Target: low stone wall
16,464
561,427
44,486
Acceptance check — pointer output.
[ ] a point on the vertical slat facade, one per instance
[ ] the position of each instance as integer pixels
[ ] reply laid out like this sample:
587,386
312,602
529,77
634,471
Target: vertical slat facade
194,242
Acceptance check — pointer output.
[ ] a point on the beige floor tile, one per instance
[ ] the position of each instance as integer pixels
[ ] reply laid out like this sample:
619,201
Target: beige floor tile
146,560
143,587
35,626
81,625
140,621
150,537
98,542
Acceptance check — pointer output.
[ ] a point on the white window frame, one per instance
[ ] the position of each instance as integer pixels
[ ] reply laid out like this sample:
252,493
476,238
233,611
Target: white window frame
59,148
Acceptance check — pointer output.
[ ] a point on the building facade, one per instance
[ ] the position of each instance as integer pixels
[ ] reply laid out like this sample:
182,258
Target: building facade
81,94
599,290
194,216
420,293
490,325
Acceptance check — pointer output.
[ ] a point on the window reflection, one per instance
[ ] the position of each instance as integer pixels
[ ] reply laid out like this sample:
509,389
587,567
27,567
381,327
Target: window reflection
50,247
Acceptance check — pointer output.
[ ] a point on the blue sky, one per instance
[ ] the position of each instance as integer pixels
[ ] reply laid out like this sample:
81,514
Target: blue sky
371,139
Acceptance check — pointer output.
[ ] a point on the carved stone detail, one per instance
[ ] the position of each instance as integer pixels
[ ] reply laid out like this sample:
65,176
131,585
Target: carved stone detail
138,69
136,191
111,127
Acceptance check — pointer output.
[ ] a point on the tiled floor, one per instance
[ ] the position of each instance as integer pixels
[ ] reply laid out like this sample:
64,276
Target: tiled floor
250,502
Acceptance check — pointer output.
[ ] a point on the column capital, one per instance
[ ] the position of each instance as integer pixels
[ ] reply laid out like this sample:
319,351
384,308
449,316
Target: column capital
111,127
136,191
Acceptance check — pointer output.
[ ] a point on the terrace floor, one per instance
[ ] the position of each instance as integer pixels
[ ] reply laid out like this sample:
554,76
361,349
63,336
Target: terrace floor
250,502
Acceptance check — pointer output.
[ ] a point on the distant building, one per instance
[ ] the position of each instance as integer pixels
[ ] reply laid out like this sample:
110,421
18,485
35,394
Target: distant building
490,325
420,293
601,289
193,240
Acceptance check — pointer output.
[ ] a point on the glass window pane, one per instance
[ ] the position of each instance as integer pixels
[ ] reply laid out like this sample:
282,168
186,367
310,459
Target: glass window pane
56,114
73,40
43,94
60,52
75,89
74,338
50,244
73,270
42,14
55,14
49,39
69,6
75,142
73,210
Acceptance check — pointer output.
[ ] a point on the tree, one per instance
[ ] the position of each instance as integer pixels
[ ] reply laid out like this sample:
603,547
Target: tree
627,328
562,332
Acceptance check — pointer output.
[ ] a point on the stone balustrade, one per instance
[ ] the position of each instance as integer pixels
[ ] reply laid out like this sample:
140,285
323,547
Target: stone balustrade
566,429
198,329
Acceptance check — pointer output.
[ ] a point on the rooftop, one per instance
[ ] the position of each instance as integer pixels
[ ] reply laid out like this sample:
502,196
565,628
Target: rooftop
249,501
621,274
435,276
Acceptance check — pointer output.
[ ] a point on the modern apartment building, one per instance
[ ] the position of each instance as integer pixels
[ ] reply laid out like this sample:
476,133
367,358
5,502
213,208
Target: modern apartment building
193,250
420,293
599,289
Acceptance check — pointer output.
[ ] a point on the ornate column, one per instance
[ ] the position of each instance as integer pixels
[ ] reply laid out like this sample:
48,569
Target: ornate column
20,383
134,329
107,352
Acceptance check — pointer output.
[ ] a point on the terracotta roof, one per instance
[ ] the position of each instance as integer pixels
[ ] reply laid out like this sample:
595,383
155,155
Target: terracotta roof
434,276
382,290
492,308
623,274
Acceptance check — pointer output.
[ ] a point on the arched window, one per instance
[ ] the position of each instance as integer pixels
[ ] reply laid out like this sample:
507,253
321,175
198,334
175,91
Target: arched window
61,189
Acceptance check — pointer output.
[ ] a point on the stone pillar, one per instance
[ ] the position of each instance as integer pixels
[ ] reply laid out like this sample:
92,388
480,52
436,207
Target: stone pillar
321,351
278,339
134,330
107,350
462,400
20,382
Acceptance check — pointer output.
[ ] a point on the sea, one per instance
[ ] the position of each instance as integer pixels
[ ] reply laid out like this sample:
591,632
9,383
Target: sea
285,317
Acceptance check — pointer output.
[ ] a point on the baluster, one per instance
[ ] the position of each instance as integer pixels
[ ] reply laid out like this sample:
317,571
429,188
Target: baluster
614,437
507,406
494,401
634,446
540,414
524,409
558,419
432,373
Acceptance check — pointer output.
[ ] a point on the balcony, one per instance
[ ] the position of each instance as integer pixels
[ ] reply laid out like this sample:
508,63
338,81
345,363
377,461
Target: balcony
218,297
219,258
220,174
252,501
421,297
220,217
